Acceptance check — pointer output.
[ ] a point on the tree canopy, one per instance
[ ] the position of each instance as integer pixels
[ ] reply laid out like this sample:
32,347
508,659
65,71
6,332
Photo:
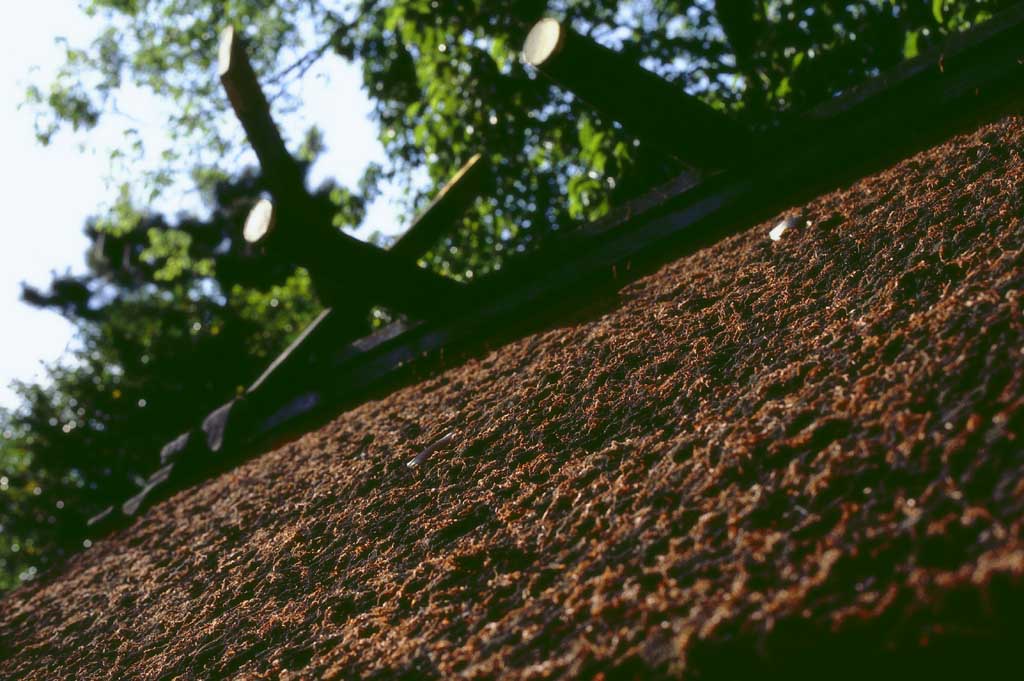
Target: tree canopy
174,312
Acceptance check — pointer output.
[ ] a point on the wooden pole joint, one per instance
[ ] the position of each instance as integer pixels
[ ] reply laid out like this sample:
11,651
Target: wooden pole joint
346,271
656,111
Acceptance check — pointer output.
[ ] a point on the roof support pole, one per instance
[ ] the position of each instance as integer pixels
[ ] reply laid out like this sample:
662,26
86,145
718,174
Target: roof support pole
449,205
280,169
656,111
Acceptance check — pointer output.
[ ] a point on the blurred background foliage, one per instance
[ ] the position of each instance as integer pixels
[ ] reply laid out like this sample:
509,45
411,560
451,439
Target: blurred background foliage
174,315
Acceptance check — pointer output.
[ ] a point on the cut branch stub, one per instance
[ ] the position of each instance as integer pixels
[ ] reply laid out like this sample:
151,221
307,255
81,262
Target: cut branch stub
543,41
656,111
260,222
280,170
345,270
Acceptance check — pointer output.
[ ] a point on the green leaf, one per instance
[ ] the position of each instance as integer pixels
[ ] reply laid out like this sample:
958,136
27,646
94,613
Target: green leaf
783,89
910,49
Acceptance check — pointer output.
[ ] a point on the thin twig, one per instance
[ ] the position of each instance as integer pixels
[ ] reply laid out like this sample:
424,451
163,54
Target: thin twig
443,441
304,63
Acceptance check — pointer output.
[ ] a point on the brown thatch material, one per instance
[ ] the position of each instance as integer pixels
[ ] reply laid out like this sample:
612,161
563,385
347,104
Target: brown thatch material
766,457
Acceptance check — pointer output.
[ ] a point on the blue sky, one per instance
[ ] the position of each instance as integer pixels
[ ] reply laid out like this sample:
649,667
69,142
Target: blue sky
47,192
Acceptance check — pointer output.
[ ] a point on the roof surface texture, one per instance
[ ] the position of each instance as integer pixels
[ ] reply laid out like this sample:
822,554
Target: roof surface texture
769,455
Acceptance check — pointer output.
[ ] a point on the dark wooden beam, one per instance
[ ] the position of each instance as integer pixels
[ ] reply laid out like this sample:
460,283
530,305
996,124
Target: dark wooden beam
288,356
450,203
448,206
335,327
656,111
352,273
280,170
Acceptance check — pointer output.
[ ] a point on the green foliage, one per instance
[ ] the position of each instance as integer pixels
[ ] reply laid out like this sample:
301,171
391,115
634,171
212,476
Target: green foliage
173,316
445,82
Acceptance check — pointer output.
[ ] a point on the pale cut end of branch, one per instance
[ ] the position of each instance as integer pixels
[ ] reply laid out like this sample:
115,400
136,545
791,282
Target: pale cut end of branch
225,51
260,222
543,42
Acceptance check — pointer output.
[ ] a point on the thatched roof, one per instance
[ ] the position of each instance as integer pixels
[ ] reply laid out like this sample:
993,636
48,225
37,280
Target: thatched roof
764,456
